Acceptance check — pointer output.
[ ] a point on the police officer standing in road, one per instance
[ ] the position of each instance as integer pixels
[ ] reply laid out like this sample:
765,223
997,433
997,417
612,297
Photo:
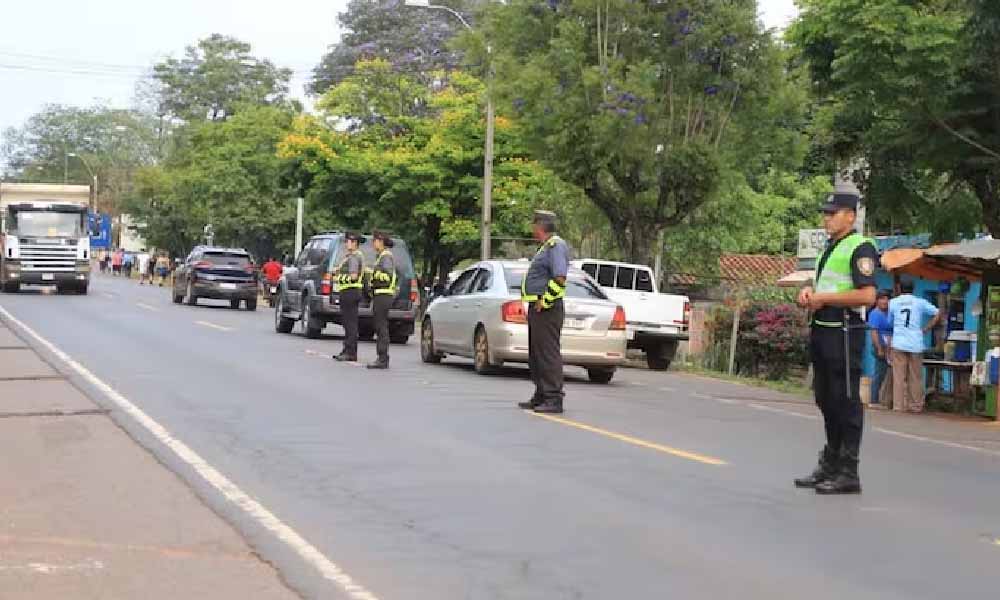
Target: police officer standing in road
348,281
845,282
384,289
543,288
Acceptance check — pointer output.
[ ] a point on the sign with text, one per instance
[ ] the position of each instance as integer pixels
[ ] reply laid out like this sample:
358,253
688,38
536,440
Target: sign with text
812,242
100,230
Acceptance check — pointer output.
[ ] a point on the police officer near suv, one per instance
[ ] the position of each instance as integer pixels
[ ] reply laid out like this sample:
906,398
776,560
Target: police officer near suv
543,288
384,289
347,277
845,282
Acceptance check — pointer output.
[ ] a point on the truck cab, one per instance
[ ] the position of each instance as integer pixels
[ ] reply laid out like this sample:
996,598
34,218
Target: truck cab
43,241
656,323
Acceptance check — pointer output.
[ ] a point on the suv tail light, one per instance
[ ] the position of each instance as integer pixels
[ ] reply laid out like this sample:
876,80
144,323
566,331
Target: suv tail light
326,288
618,321
202,264
513,312
414,292
250,268
687,313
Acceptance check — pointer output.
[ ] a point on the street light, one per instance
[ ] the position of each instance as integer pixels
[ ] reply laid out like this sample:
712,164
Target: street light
92,174
484,250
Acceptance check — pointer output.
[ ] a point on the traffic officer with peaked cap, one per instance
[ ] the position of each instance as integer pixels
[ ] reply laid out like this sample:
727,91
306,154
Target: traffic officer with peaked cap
385,286
348,276
845,282
543,288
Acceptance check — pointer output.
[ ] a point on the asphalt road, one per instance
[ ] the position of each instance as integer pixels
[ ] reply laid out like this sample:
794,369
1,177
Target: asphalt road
426,482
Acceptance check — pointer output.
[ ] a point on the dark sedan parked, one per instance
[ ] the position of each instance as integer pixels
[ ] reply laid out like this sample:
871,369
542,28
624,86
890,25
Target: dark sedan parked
218,274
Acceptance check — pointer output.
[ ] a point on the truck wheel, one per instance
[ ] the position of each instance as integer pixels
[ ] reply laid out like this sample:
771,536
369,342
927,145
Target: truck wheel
251,305
658,357
282,324
311,327
601,375
12,287
234,304
82,289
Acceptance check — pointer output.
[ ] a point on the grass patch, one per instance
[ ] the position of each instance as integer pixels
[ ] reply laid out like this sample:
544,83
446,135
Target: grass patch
792,386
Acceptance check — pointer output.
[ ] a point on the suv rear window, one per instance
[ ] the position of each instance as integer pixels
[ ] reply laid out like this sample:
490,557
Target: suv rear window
231,259
578,285
404,263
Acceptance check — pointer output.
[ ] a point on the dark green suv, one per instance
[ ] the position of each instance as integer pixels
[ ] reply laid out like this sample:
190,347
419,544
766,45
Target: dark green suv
306,291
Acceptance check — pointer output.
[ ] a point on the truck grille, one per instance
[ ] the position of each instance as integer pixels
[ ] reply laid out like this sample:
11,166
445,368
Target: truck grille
48,258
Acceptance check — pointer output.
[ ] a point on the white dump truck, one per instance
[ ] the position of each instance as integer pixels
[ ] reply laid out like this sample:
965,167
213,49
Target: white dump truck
44,236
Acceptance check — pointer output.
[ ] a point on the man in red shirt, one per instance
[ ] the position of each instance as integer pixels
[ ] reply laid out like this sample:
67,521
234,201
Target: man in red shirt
272,270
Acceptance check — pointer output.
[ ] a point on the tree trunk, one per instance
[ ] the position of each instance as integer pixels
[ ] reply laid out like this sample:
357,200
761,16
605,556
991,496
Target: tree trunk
987,187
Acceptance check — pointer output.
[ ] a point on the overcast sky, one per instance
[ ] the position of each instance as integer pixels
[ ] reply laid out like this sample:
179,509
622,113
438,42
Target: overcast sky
107,43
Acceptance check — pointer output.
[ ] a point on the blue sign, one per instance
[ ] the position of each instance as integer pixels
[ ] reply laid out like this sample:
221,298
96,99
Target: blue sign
100,230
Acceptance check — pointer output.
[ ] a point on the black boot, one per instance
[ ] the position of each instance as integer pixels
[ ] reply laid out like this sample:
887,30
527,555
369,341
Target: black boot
549,408
846,481
345,357
825,470
530,404
378,364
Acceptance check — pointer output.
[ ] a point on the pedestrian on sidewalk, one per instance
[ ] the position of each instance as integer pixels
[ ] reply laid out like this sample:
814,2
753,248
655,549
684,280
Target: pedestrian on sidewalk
881,332
908,314
162,266
127,265
543,288
142,263
116,262
845,282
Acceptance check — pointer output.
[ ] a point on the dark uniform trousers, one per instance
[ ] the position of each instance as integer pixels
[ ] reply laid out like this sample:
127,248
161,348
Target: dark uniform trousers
380,306
843,414
544,352
350,299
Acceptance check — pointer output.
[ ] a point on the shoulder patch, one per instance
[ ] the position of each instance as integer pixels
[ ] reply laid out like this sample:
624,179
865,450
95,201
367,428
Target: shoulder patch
866,265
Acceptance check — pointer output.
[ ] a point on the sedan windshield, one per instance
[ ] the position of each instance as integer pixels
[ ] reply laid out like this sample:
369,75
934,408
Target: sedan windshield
578,284
47,224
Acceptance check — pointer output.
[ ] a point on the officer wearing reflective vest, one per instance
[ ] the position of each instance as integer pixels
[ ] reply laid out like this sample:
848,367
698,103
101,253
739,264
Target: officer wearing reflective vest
543,289
384,289
845,282
347,278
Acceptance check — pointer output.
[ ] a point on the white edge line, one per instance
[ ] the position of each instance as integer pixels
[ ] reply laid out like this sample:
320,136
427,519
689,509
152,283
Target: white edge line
920,438
213,326
309,553
782,411
147,307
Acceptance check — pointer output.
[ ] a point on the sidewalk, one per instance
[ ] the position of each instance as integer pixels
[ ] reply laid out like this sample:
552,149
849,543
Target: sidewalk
86,513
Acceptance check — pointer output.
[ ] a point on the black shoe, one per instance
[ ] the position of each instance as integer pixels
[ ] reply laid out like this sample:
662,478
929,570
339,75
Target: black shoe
529,405
847,480
378,364
343,357
825,470
549,408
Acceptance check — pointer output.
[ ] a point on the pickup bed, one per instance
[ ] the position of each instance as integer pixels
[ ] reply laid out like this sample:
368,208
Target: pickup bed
655,323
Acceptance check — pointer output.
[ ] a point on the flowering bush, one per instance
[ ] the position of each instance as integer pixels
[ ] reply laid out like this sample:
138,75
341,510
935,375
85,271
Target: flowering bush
773,339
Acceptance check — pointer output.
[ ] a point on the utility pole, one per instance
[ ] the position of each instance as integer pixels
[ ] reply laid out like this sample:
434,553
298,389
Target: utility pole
298,224
488,169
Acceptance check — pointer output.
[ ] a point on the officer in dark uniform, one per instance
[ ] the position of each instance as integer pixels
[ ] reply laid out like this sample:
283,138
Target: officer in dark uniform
384,286
845,282
543,288
348,281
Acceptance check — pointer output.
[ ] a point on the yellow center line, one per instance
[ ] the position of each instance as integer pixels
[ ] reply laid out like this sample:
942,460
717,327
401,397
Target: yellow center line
707,460
213,326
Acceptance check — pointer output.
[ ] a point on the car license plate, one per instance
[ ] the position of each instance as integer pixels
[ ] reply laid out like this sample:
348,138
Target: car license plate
574,324
48,276
227,286
274,289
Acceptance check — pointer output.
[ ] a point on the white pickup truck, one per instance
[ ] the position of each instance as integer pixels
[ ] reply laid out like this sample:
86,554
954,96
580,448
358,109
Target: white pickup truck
655,323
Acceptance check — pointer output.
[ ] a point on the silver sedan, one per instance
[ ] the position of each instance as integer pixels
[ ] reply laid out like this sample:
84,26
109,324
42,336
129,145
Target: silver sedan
481,316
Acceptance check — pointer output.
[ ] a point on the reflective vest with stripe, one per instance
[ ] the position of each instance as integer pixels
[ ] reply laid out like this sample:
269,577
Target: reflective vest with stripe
384,282
344,280
836,275
553,291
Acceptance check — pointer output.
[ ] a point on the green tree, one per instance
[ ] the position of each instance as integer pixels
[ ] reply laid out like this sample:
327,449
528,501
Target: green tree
911,87
641,105
228,175
72,143
216,76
